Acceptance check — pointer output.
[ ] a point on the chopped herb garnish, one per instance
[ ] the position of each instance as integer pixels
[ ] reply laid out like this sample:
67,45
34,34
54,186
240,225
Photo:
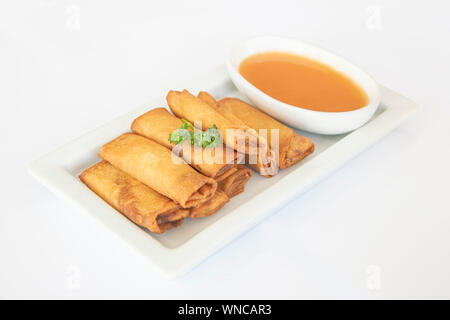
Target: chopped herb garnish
210,138
186,125
179,135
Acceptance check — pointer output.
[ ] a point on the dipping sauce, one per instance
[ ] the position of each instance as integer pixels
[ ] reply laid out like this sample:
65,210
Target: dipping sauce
302,82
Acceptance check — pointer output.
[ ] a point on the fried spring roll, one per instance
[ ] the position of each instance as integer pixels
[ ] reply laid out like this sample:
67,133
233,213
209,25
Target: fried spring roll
156,166
292,147
221,176
209,99
158,124
210,207
234,184
185,105
263,169
133,199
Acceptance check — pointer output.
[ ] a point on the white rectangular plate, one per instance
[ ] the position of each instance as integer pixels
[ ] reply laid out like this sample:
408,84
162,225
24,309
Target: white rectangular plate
179,250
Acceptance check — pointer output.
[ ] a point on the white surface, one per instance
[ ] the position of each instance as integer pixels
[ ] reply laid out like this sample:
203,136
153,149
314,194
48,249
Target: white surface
387,210
304,119
177,251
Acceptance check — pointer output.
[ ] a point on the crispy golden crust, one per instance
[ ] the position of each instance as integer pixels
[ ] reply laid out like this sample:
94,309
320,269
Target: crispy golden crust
299,148
156,166
158,124
185,105
234,184
133,199
211,206
209,99
292,147
228,171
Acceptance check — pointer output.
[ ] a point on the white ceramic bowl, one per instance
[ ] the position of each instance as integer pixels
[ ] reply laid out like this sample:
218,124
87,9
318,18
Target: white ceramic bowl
304,119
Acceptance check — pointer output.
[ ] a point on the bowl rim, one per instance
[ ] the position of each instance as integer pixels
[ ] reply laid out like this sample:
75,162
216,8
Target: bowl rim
373,103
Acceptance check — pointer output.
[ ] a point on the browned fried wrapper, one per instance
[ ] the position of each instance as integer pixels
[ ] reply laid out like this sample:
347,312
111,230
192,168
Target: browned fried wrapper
156,166
211,206
158,124
133,199
234,184
187,106
209,99
292,147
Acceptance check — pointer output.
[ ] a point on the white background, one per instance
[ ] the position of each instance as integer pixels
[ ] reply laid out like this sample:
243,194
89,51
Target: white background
384,216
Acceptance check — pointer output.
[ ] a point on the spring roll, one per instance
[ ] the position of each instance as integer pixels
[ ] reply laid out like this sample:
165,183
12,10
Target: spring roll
210,207
141,204
241,138
158,124
185,105
292,147
209,99
156,166
267,170
234,184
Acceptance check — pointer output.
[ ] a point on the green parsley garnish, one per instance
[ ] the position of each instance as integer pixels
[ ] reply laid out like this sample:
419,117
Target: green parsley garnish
186,125
210,138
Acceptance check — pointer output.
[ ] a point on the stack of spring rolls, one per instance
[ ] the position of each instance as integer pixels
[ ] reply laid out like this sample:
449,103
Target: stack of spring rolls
157,183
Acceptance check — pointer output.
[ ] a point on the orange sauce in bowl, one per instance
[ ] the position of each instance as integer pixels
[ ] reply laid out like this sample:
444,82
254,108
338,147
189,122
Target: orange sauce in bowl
302,82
